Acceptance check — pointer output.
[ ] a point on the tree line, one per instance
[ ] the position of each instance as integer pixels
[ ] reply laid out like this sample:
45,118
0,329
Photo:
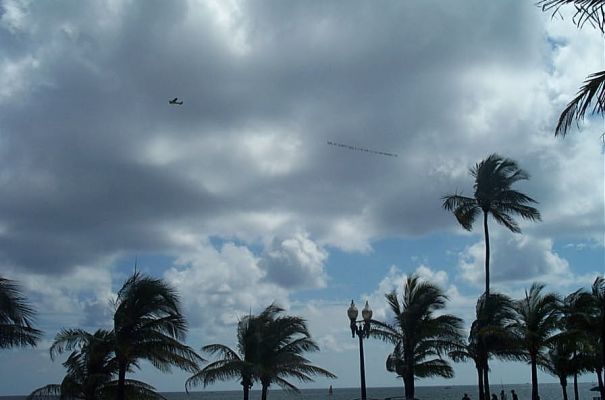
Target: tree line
563,335
148,325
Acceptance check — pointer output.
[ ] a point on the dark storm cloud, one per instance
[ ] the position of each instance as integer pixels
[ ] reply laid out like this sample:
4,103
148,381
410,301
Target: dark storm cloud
81,181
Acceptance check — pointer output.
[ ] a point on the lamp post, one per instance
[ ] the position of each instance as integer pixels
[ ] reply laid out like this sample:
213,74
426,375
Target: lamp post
362,330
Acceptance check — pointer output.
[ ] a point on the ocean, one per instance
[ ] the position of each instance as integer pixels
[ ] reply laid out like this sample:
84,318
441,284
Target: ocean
548,391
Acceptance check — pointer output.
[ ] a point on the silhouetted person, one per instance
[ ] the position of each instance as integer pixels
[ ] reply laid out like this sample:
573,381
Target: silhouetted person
466,397
494,396
502,395
515,397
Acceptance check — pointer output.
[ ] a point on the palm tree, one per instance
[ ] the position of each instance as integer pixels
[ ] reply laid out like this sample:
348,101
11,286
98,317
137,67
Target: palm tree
282,341
491,335
537,319
270,347
575,311
231,364
91,369
592,91
149,325
470,351
559,361
585,324
597,327
420,337
493,196
15,318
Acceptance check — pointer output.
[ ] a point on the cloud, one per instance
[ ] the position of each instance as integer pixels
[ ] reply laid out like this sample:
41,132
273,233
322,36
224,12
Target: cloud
295,263
219,286
81,298
97,167
516,260
100,166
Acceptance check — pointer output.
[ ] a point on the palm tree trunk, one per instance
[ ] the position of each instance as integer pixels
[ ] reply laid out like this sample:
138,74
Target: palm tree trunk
264,392
408,383
534,377
576,392
480,382
563,382
408,375
486,232
486,380
120,394
246,391
600,380
601,388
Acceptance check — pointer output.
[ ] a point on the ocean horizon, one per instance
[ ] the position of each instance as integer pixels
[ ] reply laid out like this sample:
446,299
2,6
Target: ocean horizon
548,391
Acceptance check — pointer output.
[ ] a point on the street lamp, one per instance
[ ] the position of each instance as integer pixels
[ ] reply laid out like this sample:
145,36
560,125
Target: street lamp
362,330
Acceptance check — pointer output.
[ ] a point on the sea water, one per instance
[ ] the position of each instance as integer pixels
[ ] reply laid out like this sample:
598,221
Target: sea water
548,391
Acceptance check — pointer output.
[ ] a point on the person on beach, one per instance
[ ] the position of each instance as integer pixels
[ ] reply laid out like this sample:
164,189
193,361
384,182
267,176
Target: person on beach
466,397
502,395
494,396
515,397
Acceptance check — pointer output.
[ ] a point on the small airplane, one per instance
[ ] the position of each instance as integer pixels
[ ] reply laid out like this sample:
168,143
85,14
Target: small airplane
175,101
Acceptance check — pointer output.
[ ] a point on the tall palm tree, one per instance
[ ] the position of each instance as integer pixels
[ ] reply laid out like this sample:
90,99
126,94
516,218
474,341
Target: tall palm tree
149,325
537,319
91,369
16,317
420,338
592,92
493,196
231,364
283,339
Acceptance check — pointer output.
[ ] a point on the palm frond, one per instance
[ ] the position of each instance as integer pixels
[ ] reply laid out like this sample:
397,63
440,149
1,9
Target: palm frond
134,389
47,392
285,385
219,370
16,317
434,367
586,11
69,340
222,350
592,92
465,209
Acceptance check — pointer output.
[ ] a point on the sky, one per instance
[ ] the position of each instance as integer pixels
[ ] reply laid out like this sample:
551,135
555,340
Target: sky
238,199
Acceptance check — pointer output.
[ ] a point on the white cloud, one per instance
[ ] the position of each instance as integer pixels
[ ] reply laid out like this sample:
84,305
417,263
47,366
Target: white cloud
16,77
518,260
295,262
14,15
218,286
81,298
